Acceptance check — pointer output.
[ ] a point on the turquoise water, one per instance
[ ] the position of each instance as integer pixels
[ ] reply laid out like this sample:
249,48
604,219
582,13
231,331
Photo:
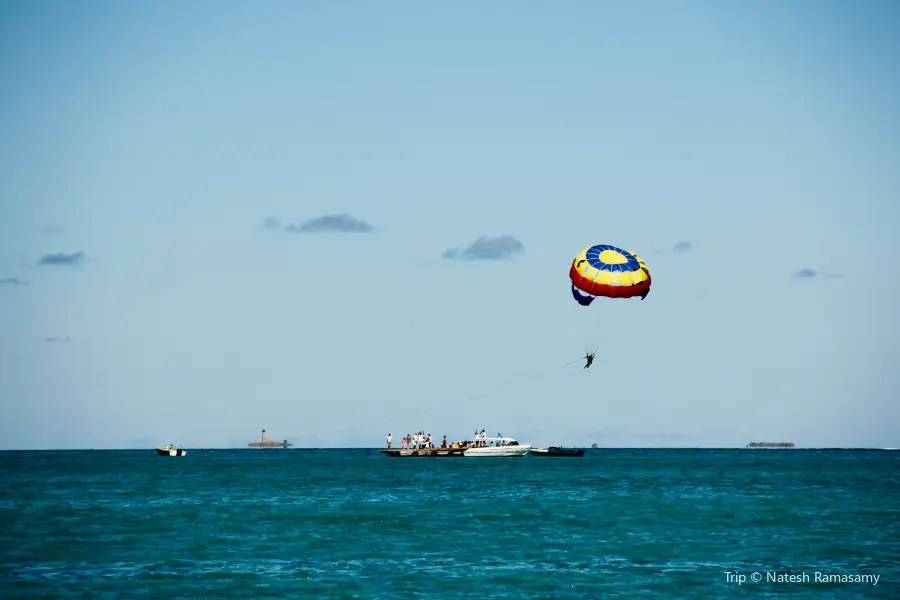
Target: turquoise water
356,524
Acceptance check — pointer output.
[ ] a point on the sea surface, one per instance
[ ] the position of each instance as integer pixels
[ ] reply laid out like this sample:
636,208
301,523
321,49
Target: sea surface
297,523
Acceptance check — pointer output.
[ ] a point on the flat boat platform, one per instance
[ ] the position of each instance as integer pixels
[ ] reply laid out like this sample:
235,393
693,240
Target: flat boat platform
398,452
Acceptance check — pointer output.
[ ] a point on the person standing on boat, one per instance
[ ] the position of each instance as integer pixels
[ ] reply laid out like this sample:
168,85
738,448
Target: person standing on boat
389,440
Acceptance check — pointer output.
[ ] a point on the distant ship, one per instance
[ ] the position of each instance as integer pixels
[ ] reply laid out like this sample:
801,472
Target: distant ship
770,445
266,442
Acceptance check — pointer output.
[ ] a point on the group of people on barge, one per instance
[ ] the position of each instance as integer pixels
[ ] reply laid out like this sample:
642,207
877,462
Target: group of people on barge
420,440
416,441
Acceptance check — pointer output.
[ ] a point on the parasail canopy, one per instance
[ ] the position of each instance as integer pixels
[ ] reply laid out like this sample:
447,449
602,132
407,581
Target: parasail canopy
607,271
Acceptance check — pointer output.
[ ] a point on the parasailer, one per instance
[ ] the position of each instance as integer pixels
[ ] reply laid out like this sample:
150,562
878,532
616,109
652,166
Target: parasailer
605,271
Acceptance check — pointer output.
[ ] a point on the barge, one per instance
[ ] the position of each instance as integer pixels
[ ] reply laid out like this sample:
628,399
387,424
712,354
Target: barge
482,447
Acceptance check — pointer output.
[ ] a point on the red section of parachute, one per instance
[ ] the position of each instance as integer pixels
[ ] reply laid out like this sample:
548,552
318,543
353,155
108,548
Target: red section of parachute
587,286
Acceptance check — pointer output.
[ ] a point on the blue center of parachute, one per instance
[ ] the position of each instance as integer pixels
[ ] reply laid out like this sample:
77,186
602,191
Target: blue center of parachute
593,258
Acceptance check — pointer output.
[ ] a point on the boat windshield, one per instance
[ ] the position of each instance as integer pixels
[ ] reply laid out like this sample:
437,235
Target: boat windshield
489,442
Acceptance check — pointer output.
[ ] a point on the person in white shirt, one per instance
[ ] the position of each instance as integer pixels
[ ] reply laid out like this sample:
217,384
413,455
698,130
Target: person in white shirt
389,440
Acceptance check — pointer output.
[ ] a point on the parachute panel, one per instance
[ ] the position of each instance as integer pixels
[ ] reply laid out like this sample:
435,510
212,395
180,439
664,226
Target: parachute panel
608,271
580,298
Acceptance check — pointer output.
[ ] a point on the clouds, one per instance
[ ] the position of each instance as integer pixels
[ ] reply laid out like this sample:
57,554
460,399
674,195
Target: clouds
680,247
13,281
808,273
62,259
271,222
503,247
342,223
334,223
804,274
485,247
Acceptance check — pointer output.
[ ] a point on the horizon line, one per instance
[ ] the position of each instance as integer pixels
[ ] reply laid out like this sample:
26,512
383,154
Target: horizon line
133,449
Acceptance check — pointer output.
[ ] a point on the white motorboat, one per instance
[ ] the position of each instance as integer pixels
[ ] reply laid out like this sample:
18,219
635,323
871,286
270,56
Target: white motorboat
497,446
171,450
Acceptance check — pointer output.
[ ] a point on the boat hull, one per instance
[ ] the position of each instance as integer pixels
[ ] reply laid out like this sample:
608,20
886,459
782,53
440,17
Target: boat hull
171,451
404,452
497,451
558,452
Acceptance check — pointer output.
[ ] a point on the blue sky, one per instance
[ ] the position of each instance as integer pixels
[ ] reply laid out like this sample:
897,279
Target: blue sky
155,139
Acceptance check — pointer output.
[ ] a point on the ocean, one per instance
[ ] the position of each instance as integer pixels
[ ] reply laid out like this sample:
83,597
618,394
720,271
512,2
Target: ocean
299,523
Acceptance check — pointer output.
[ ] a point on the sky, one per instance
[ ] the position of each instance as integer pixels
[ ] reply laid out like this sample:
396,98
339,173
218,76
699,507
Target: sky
334,221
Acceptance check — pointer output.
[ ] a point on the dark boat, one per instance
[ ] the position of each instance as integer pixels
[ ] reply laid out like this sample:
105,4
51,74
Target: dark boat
557,451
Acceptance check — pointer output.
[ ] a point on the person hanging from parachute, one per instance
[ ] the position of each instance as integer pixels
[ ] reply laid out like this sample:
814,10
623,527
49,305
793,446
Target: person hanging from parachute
604,271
